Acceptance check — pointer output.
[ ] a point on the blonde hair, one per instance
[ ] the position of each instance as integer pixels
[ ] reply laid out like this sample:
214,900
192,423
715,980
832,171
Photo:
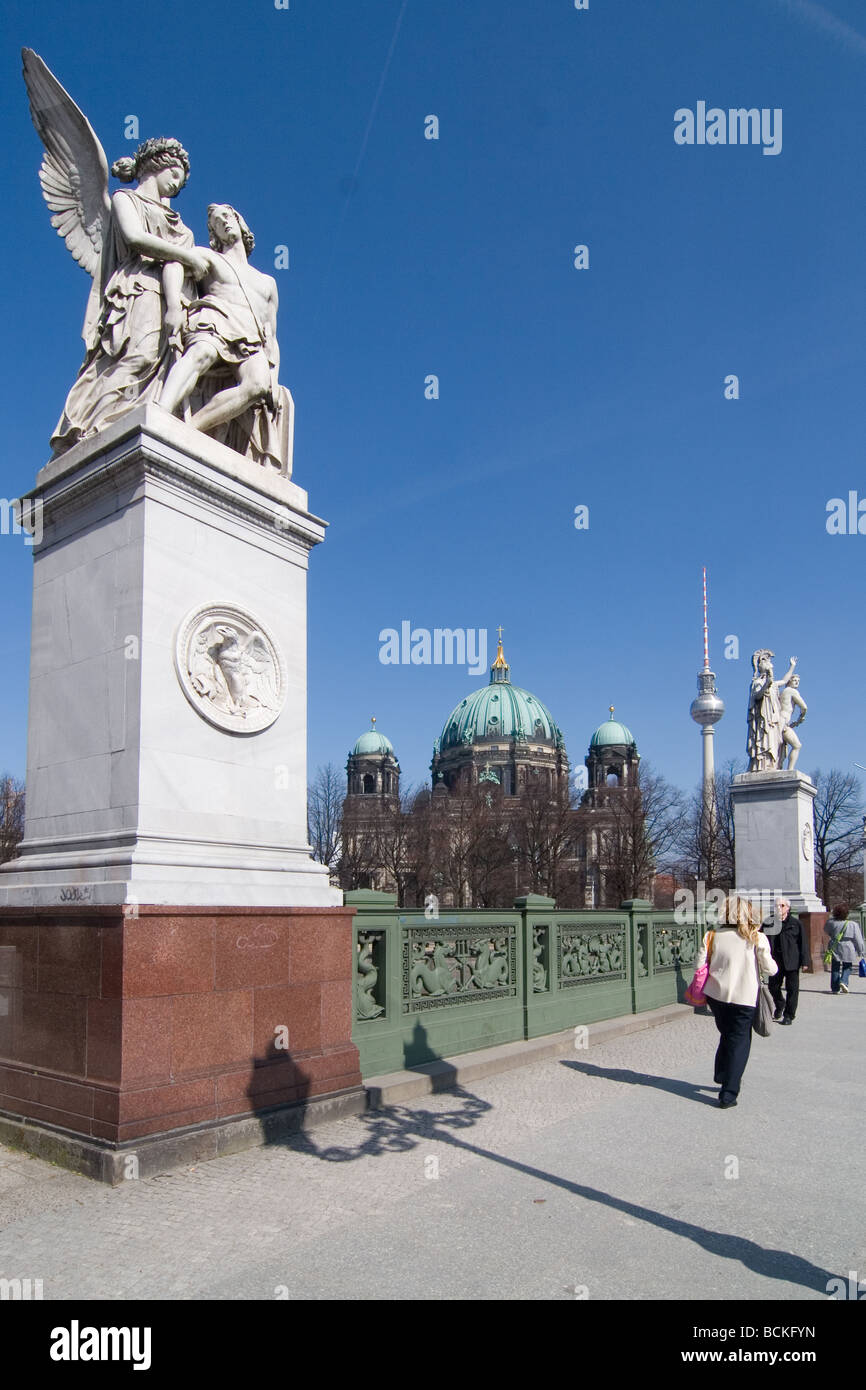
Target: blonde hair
740,913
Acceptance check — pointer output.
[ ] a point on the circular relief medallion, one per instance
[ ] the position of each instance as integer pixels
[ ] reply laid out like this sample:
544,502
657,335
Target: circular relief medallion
807,841
230,668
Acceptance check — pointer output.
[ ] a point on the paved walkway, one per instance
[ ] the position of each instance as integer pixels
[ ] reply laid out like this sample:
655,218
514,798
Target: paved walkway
609,1174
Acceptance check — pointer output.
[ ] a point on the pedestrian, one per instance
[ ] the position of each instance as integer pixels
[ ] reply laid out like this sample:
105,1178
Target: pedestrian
737,950
787,937
845,947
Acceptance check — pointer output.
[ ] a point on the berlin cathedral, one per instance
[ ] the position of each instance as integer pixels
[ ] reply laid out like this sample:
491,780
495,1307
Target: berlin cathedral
500,781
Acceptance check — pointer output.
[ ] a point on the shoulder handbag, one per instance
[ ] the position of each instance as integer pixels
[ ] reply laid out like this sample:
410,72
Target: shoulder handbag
828,954
694,995
762,1023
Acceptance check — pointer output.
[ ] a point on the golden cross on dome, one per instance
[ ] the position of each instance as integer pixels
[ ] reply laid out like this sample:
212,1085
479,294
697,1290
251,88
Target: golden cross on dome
499,630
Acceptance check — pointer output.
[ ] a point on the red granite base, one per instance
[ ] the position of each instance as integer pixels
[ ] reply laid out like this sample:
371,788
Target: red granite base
118,1023
815,938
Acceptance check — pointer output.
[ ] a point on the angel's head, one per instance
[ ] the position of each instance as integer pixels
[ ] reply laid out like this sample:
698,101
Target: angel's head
160,157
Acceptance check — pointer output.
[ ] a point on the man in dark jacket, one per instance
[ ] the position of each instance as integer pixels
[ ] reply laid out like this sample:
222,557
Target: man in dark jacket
790,952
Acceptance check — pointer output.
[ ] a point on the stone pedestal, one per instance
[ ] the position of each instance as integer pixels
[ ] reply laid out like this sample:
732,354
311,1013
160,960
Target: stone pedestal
138,788
774,839
175,970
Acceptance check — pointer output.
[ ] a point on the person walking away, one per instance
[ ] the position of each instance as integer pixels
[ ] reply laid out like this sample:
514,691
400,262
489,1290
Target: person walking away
787,938
739,950
845,945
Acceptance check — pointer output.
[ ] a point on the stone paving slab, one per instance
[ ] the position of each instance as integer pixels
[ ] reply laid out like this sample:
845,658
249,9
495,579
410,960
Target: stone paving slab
393,1087
608,1173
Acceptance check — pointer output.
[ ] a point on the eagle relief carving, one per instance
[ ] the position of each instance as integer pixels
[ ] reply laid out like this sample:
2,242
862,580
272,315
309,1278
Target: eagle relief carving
230,668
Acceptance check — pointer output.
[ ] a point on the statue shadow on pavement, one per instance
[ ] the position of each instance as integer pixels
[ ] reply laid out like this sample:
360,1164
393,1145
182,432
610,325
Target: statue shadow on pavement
388,1130
402,1128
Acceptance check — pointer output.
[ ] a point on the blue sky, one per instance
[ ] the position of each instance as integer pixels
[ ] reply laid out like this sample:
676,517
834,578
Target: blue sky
558,386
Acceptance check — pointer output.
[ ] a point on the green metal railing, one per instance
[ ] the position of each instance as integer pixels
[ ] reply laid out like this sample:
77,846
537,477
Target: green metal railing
433,987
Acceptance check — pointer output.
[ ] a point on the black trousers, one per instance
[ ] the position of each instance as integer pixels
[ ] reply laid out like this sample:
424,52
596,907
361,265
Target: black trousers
791,980
734,1022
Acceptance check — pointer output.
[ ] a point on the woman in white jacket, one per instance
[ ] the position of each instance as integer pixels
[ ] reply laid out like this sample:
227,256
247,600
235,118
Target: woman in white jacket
733,948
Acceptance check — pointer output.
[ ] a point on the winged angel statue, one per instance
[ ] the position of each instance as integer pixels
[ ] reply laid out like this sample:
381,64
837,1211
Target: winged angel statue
144,266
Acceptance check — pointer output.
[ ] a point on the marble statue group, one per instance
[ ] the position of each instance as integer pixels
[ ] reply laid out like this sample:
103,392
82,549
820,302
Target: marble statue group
187,327
772,738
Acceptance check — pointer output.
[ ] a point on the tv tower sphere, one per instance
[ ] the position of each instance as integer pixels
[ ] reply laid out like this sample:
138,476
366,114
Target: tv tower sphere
707,707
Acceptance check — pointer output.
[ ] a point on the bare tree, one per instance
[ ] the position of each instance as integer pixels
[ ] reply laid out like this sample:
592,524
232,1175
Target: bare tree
392,843
356,867
642,823
706,846
543,837
11,816
489,855
427,847
838,828
325,814
460,845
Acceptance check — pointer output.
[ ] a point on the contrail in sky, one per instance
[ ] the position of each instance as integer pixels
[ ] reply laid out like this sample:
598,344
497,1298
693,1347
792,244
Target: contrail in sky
822,18
375,105
363,150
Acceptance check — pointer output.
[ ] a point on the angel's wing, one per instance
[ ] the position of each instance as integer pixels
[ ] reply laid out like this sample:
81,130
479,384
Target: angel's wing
74,172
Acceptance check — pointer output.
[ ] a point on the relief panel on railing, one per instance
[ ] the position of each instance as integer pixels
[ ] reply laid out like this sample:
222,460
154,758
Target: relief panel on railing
674,946
371,948
540,959
473,965
640,965
589,954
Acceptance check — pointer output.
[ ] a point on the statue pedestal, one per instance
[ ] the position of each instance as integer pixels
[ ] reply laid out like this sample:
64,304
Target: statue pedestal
774,839
134,793
176,972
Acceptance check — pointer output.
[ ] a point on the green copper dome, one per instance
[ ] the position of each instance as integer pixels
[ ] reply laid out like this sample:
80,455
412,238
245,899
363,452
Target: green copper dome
499,710
611,732
372,742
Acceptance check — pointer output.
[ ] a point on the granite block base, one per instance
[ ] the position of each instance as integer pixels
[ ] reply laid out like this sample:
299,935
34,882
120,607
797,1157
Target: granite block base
125,1029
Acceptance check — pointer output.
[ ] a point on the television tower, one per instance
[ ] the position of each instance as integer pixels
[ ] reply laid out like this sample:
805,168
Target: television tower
707,710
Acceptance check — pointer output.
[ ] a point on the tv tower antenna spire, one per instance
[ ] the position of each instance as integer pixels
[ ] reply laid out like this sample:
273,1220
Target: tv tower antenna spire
706,630
707,710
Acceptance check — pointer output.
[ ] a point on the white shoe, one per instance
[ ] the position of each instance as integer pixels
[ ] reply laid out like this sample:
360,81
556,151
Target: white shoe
844,989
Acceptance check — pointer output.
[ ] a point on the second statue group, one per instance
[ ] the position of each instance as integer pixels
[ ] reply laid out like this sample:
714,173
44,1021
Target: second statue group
191,328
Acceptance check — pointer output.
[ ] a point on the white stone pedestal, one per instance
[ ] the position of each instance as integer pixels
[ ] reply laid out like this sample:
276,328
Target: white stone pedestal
132,794
774,838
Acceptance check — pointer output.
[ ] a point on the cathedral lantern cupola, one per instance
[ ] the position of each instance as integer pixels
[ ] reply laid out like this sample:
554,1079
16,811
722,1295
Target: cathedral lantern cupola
500,668
612,760
372,768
